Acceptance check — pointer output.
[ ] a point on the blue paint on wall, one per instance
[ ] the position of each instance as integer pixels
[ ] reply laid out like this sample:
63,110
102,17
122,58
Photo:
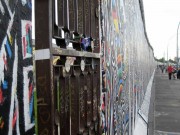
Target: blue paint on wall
8,49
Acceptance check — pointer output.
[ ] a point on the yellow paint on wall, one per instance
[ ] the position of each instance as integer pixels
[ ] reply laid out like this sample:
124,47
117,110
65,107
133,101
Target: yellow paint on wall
116,25
11,39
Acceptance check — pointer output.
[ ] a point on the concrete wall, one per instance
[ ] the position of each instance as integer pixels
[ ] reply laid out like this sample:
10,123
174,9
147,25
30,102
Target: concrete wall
16,75
127,64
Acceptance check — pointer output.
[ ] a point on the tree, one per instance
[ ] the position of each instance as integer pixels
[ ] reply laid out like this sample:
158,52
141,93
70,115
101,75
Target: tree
161,60
172,61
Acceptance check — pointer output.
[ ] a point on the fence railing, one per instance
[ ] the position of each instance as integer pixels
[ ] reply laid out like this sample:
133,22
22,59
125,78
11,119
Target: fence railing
67,72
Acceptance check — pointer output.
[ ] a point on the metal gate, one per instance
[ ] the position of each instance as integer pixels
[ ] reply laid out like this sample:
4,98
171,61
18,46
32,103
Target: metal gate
67,66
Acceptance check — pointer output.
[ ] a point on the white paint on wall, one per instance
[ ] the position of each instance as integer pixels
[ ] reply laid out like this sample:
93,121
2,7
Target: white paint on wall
13,90
23,2
24,25
2,49
33,20
2,8
2,66
27,117
142,119
7,4
141,127
144,110
17,108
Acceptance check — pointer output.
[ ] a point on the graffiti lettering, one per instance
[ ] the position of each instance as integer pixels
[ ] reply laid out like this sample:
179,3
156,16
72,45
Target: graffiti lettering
42,81
45,132
44,114
41,102
42,90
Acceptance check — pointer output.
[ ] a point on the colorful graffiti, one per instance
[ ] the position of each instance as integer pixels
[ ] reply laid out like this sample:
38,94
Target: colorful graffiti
16,70
126,65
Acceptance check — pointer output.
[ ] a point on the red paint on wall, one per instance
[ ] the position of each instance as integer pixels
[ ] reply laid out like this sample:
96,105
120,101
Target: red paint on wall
1,97
30,91
5,61
14,119
24,45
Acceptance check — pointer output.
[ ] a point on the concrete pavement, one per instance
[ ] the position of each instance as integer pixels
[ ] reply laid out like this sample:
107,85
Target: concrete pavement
166,105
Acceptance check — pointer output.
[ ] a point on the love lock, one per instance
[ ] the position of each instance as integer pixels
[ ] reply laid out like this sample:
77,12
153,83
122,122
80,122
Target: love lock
82,65
93,64
92,45
86,43
67,65
67,38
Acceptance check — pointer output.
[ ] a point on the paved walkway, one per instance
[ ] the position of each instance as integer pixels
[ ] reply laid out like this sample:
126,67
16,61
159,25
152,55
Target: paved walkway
166,105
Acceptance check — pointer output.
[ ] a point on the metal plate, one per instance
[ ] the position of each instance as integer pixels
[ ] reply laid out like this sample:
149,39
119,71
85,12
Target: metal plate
43,98
66,15
95,108
93,18
64,105
72,15
80,17
89,99
74,105
82,104
87,17
60,13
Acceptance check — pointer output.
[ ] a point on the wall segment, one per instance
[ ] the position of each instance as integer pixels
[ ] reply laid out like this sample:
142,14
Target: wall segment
127,62
16,68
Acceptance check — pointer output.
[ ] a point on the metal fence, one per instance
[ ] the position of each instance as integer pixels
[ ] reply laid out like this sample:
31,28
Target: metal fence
67,71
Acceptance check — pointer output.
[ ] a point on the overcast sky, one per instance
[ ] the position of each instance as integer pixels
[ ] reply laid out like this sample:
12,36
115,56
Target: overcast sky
162,18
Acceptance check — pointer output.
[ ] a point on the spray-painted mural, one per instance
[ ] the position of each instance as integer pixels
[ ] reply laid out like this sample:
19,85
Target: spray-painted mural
16,70
127,65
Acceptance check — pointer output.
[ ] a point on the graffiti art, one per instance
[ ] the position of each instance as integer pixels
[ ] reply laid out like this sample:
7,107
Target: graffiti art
125,66
16,70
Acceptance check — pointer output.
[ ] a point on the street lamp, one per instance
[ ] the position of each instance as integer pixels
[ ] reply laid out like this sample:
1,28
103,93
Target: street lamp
168,46
167,55
177,48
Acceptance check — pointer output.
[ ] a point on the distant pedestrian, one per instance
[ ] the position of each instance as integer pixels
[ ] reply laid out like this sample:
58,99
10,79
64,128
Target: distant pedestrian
162,68
170,70
174,72
178,73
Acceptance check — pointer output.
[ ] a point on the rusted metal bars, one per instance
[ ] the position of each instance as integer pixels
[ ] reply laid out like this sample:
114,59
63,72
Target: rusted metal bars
44,77
68,93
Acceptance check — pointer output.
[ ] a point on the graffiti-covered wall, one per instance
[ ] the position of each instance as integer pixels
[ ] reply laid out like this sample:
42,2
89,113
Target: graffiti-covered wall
16,75
127,64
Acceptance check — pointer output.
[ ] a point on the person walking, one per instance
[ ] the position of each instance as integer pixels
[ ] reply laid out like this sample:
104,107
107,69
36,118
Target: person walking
170,70
162,68
174,72
178,74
